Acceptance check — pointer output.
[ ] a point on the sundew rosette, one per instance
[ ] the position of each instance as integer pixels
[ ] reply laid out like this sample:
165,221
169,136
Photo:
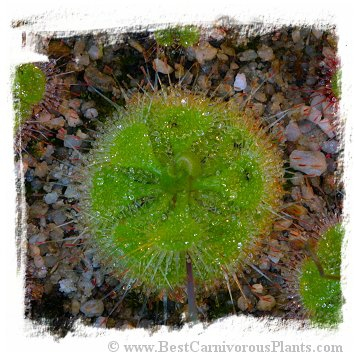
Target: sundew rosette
319,280
179,175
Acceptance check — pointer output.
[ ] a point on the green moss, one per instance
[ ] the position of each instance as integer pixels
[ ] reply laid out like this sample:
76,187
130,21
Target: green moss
181,175
28,89
165,37
184,36
322,296
335,82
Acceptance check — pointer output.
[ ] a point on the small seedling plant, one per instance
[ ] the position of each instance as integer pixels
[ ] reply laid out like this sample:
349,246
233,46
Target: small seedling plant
320,286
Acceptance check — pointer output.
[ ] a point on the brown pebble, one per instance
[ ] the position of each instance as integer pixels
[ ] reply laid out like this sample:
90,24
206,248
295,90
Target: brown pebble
38,209
41,169
98,79
266,303
58,48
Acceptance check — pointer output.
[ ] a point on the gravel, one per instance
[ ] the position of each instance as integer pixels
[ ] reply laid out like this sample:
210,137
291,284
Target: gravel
278,70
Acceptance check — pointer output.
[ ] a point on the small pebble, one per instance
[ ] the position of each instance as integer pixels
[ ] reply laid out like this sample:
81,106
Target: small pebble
95,53
67,286
314,115
203,82
296,210
296,36
72,141
205,52
59,217
240,82
41,169
297,179
327,127
75,307
100,322
243,304
83,60
34,250
38,209
260,96
317,33
282,224
162,67
56,123
309,162
248,55
264,264
50,198
39,262
75,103
91,113
55,233
257,289
266,303
222,57
72,118
266,53
40,237
50,261
292,131
99,80
79,47
317,100
71,192
330,146
307,192
87,105
230,51
92,308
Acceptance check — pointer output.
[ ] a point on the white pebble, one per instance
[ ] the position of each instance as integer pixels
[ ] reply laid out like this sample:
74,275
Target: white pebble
327,127
317,101
314,115
67,286
330,147
310,162
91,113
240,82
94,53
